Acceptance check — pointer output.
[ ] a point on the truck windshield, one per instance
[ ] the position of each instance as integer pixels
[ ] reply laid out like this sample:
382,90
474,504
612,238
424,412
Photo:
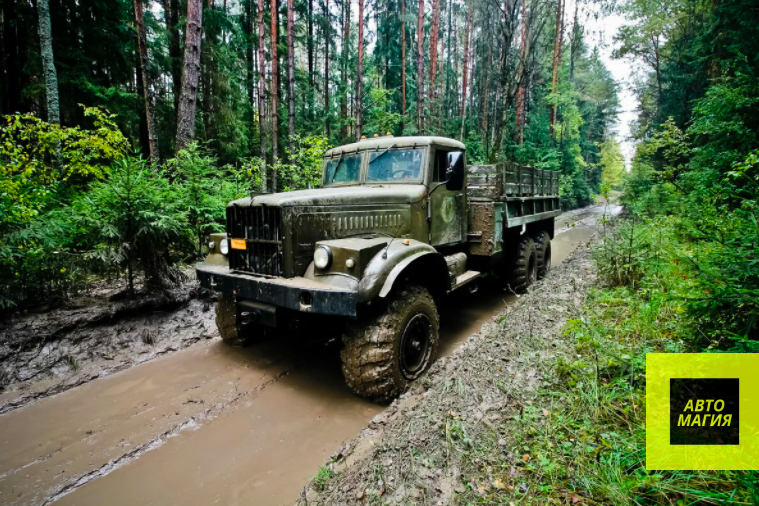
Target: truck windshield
395,165
342,169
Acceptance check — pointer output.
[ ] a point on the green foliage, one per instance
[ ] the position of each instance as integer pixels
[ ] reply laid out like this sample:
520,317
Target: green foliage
132,219
303,168
612,164
204,191
39,161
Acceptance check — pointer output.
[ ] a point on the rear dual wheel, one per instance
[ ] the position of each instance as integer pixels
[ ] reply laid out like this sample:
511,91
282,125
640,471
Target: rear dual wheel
392,346
530,260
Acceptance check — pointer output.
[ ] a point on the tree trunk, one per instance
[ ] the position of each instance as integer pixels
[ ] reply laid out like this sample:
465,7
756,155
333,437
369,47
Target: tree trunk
465,69
446,96
434,27
360,70
344,64
327,26
486,91
310,17
521,75
171,18
274,96
190,74
290,76
420,69
575,43
48,63
556,63
403,65
142,46
262,90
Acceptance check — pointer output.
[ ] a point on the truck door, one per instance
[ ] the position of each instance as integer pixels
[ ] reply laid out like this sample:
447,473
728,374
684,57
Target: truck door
447,207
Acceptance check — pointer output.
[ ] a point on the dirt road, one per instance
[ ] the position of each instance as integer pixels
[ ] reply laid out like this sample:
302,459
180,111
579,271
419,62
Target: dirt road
211,424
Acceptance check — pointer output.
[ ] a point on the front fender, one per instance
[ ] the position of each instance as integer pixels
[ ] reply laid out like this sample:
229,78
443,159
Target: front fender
383,270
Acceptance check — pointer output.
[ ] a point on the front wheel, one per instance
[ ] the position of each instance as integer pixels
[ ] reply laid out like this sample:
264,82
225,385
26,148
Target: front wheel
386,350
232,333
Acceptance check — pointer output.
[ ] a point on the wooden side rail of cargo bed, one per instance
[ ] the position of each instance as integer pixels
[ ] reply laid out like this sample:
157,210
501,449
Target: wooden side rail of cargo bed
499,182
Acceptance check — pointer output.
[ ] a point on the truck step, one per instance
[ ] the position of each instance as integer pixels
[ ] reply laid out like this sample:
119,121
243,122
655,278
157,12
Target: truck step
464,279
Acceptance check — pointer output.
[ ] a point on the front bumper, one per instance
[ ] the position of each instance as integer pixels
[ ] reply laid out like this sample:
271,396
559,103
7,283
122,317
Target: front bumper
299,294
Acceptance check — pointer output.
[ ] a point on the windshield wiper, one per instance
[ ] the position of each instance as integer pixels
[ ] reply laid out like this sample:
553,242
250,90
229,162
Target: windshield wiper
382,154
337,167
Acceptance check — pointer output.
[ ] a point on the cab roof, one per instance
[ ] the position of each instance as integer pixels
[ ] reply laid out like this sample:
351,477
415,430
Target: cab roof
399,142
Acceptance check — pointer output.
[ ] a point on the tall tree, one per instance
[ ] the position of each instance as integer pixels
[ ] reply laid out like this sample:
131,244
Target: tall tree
48,63
327,35
403,64
360,73
465,68
274,93
434,27
556,60
142,47
190,74
262,89
522,78
290,75
171,19
344,70
420,69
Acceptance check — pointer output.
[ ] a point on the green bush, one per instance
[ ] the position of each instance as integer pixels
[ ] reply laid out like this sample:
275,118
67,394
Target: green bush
132,220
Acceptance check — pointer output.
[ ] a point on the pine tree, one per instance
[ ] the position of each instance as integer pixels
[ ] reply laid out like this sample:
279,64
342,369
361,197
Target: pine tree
142,47
190,74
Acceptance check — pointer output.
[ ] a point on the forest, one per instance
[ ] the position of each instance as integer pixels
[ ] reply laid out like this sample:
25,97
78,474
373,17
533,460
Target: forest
127,126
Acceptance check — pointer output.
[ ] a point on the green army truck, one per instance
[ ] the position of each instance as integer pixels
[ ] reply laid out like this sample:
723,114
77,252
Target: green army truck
398,223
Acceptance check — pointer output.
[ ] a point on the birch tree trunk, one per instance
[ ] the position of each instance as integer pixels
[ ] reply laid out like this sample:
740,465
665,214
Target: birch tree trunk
142,46
290,76
360,70
190,74
48,63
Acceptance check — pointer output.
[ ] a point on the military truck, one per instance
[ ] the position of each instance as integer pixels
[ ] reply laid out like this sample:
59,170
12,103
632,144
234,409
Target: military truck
398,223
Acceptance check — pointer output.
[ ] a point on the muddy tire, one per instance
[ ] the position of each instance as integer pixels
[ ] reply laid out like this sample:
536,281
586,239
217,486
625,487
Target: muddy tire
521,268
230,332
389,348
542,253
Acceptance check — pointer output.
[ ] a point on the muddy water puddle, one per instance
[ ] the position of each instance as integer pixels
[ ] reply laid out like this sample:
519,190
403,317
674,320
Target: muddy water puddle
211,424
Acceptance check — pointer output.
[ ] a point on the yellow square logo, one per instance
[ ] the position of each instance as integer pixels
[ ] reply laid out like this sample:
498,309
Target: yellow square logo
702,411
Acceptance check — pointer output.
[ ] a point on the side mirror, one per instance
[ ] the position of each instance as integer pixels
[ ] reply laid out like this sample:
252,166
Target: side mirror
455,171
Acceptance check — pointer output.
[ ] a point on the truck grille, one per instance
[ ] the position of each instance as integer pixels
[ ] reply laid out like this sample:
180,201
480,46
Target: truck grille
261,227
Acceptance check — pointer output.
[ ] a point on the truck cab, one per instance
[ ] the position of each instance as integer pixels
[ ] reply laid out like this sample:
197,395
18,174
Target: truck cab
388,233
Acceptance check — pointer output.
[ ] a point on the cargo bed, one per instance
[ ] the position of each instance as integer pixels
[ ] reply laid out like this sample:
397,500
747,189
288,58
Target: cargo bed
505,196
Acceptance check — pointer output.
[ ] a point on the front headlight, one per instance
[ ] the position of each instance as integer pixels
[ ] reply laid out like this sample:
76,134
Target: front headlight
322,257
224,246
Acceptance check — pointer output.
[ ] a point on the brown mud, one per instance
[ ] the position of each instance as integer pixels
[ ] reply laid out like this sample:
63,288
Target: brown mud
198,425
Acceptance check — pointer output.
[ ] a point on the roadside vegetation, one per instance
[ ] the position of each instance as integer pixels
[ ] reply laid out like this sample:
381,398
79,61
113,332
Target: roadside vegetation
680,273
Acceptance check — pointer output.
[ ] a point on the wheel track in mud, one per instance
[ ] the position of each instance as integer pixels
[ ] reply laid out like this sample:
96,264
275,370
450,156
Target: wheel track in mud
192,423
